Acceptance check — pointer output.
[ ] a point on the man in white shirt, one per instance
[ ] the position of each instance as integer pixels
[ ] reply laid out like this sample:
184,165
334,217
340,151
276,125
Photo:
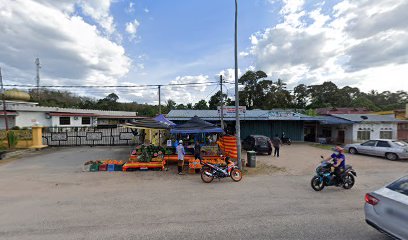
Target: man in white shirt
180,153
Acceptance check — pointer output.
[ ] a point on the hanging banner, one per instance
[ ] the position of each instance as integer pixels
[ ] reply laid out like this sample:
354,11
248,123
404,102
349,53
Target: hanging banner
230,110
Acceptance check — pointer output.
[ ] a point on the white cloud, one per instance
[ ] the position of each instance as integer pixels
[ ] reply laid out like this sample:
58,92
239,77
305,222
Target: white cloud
357,39
146,10
71,50
131,28
99,11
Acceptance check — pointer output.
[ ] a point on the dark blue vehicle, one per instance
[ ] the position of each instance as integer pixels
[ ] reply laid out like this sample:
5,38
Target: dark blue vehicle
324,177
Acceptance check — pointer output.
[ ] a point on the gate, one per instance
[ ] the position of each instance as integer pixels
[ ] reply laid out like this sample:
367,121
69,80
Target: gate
89,136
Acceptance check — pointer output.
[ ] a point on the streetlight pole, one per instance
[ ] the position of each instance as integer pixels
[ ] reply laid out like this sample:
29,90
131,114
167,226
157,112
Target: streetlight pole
237,123
222,105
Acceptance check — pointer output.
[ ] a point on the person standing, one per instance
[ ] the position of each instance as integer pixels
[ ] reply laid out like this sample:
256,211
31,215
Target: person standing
180,153
276,142
197,151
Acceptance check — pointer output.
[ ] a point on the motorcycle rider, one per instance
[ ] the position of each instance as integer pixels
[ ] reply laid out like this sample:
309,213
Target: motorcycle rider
339,163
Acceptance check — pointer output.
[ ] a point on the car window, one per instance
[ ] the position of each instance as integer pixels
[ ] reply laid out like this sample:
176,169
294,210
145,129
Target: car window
369,143
401,144
401,185
383,144
260,140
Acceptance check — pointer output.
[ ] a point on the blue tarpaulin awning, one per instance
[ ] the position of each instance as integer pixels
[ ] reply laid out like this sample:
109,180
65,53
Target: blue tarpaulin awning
196,125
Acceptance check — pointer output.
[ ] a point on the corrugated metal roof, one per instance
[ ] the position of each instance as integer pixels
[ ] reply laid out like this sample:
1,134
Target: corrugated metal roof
367,117
330,120
214,115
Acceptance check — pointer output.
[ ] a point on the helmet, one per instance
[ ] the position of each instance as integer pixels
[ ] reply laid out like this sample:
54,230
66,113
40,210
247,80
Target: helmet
339,149
181,141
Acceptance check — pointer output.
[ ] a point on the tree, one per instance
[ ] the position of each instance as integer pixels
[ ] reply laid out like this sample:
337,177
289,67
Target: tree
215,100
300,96
201,105
250,81
170,105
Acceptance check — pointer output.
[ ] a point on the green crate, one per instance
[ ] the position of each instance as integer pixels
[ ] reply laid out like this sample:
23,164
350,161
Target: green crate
94,167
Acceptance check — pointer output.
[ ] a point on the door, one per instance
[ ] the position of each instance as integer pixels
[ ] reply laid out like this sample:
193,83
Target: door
381,148
367,147
340,136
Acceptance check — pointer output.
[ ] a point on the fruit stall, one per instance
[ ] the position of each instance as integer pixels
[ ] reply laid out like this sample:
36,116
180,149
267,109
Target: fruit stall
197,129
149,154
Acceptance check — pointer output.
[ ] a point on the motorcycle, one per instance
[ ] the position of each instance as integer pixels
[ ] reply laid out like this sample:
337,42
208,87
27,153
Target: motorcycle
210,171
286,140
324,177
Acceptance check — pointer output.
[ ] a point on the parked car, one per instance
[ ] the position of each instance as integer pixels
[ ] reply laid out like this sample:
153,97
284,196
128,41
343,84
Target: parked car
258,143
390,149
387,209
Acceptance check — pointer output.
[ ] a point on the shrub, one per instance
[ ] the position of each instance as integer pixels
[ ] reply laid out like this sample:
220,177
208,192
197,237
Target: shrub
12,138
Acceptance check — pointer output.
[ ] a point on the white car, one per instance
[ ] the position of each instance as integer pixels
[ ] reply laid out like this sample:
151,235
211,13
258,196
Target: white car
387,209
390,149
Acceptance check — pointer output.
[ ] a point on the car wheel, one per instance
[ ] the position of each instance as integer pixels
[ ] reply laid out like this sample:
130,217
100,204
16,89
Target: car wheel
391,156
353,151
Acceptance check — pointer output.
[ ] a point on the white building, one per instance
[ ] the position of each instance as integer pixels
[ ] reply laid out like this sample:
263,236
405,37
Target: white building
363,127
27,114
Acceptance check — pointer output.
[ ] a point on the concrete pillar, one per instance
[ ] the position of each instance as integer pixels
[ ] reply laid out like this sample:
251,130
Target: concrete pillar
37,137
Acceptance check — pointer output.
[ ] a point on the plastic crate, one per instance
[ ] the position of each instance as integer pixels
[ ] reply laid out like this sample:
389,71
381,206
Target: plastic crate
111,167
103,167
118,167
94,167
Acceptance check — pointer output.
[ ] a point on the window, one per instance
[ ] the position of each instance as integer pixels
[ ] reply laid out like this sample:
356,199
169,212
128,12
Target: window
383,144
386,134
401,186
65,120
363,135
86,120
369,143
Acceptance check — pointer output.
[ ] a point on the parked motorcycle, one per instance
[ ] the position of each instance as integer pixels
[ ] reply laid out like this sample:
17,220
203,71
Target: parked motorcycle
324,177
285,140
210,171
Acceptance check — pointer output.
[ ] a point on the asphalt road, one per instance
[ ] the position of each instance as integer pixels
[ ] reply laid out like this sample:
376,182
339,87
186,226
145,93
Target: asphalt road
45,195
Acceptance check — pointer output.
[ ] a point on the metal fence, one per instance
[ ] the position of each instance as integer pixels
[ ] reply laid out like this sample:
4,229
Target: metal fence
89,136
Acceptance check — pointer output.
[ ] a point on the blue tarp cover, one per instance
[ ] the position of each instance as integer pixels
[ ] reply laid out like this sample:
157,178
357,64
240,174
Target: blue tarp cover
196,125
164,120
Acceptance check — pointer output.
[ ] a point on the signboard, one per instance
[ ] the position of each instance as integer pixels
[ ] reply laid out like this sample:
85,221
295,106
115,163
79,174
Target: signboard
169,143
92,136
283,115
230,110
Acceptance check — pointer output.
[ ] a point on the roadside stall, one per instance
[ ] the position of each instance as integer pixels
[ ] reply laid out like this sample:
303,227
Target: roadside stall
192,131
149,154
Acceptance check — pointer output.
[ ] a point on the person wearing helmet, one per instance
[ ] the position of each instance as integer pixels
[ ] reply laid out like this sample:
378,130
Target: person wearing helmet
180,153
339,162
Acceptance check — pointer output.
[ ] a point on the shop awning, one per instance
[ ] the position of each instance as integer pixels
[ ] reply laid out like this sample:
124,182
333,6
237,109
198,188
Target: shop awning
196,125
161,118
147,123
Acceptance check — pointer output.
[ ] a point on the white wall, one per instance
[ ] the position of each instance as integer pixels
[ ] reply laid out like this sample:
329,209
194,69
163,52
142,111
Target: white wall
348,132
55,120
375,129
28,119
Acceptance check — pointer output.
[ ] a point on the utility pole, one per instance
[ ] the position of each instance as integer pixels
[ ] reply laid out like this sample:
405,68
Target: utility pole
37,66
222,105
159,87
4,109
237,123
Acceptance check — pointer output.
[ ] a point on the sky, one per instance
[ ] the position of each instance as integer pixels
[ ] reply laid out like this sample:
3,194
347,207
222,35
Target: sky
359,43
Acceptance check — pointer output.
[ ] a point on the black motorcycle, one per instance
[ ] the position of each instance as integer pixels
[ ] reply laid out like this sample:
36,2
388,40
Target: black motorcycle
285,140
324,177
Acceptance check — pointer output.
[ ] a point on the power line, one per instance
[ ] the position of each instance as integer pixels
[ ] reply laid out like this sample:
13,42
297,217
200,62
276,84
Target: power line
112,86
